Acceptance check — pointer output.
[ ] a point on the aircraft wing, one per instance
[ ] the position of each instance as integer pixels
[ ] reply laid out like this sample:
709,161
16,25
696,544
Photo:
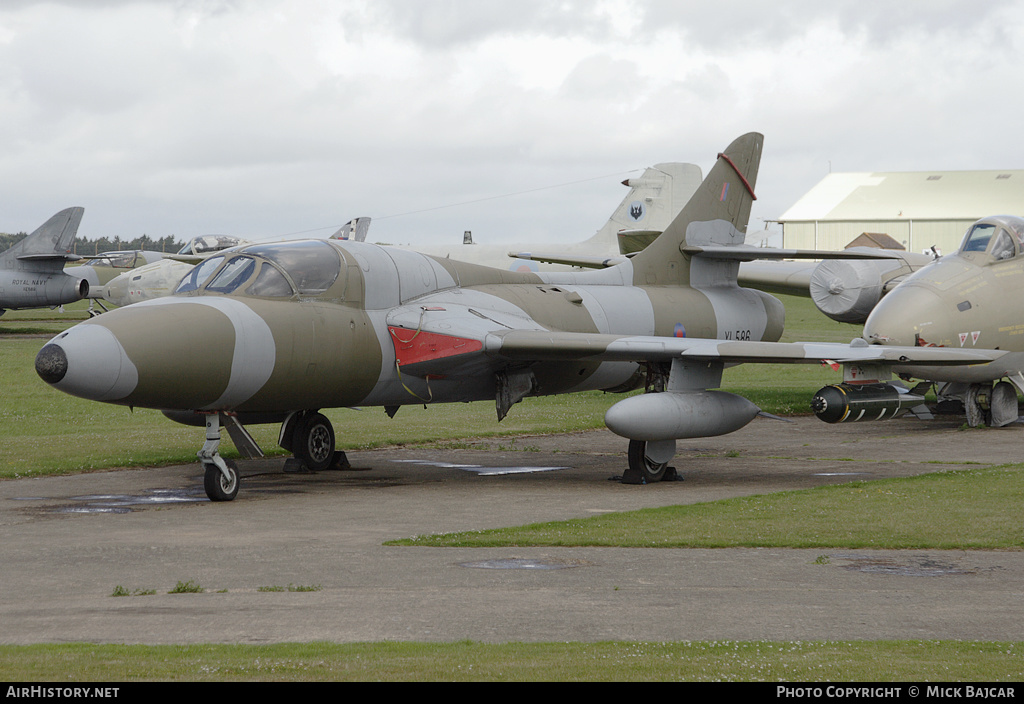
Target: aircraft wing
580,260
452,340
766,279
749,253
55,256
524,345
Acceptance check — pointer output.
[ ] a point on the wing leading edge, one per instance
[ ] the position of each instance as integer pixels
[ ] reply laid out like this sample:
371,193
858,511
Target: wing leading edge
524,345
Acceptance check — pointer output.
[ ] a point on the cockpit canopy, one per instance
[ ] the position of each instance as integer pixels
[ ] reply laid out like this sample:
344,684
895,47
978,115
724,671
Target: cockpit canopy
205,244
278,270
1001,236
117,260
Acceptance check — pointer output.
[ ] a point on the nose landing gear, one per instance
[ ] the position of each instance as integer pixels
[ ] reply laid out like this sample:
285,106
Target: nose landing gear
220,478
309,435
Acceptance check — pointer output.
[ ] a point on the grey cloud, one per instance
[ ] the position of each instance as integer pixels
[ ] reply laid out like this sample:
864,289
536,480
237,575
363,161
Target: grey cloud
448,23
722,25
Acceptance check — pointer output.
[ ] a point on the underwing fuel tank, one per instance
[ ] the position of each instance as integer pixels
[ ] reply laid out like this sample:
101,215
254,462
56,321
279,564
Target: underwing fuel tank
849,403
673,415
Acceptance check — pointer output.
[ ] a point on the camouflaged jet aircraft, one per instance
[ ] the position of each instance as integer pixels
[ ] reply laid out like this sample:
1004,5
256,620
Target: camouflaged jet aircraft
965,300
31,272
275,332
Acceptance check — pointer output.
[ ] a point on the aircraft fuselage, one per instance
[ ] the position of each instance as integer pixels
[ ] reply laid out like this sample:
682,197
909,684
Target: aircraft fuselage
24,288
356,342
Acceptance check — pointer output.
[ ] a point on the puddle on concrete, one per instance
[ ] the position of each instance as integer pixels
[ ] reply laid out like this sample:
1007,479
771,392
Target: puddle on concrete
493,471
922,566
123,503
481,469
523,563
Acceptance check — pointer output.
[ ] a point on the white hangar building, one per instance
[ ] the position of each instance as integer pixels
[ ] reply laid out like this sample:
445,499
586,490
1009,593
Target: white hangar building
917,209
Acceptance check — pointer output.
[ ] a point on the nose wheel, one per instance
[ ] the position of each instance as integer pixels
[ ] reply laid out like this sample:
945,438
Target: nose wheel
221,484
220,476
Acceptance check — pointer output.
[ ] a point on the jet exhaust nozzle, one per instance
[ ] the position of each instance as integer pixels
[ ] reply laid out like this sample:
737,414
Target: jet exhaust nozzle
850,403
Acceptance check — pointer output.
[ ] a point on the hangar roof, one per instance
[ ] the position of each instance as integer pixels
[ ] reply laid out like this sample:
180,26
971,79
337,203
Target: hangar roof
916,195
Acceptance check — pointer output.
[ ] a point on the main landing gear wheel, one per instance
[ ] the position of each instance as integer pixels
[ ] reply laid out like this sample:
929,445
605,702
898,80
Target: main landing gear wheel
219,487
974,405
645,468
313,442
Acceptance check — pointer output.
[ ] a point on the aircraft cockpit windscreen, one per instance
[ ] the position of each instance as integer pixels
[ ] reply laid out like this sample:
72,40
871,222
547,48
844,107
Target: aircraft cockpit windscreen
116,260
269,283
271,270
232,275
198,275
313,265
1002,239
209,243
977,238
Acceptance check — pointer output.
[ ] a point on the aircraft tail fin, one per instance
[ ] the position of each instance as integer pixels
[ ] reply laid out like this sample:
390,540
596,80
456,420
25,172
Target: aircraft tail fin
717,214
354,229
654,199
50,242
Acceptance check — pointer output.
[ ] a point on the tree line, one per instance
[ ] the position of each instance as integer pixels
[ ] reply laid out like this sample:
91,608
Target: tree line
85,246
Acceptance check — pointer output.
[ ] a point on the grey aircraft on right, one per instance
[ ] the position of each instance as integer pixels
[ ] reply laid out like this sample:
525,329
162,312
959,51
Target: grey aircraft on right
968,299
965,300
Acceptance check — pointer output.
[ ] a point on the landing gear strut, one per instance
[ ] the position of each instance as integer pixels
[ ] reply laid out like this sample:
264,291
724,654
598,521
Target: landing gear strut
220,477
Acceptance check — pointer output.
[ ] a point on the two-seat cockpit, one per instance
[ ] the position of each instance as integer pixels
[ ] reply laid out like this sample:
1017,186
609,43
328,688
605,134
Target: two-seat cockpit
278,270
1001,237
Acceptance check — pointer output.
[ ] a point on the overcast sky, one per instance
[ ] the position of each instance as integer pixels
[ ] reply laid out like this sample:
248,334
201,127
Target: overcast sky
265,118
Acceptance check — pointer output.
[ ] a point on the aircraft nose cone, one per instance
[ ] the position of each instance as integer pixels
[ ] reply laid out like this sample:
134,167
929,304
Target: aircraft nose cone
51,363
87,361
909,315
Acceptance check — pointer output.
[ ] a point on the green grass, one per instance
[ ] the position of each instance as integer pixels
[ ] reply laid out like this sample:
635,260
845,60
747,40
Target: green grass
765,661
961,510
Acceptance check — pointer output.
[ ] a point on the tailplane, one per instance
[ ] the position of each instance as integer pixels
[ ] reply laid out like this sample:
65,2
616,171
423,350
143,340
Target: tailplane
717,214
49,246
